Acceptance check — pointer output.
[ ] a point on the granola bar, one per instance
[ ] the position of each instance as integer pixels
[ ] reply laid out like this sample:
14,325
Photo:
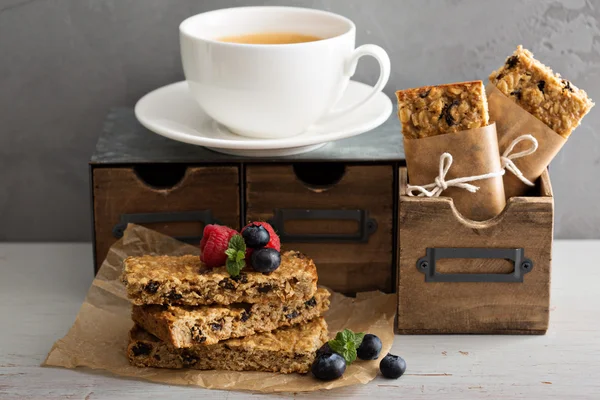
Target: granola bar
185,280
188,326
532,85
435,110
285,350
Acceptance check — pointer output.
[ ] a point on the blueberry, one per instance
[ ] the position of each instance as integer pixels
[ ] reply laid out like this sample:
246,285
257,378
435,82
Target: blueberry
265,260
370,348
392,366
325,349
329,366
256,236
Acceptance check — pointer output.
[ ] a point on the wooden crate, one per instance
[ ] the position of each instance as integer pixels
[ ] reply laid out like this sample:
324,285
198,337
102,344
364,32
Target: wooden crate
175,200
340,215
486,294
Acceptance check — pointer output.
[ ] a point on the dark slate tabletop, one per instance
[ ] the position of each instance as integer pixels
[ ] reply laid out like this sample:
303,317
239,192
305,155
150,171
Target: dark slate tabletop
125,141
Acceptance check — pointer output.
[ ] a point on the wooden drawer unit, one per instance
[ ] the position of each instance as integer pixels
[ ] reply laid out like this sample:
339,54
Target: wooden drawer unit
341,215
462,276
174,199
338,203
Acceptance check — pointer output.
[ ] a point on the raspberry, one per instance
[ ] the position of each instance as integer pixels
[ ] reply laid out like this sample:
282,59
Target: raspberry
215,241
274,242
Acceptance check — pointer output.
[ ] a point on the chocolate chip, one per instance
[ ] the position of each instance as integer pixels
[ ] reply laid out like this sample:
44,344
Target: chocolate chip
156,357
284,308
293,314
197,335
541,85
500,76
174,295
310,303
242,278
152,287
424,94
299,255
245,315
446,113
227,284
265,288
188,358
516,93
216,327
567,86
512,61
141,349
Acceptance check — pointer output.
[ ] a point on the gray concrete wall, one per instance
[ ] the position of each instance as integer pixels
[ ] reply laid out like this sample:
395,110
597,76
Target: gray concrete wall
64,63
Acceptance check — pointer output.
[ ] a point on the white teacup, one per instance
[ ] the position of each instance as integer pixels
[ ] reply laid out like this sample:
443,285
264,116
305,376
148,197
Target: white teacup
273,90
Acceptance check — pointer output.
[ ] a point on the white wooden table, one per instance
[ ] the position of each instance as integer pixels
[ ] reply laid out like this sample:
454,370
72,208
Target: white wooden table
43,285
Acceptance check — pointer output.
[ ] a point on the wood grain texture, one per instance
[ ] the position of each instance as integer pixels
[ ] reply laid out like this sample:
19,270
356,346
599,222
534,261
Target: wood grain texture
120,191
43,286
482,307
345,267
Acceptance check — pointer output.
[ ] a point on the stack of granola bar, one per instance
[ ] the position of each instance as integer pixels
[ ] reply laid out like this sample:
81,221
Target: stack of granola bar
188,315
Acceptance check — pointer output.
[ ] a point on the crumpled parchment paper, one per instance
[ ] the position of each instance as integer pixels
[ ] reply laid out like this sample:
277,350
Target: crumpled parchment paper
99,336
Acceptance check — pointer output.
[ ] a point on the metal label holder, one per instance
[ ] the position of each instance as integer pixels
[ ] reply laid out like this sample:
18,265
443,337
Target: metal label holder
204,216
367,226
427,264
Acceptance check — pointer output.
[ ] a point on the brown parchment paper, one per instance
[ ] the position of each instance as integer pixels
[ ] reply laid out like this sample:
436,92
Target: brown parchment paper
99,336
513,121
475,152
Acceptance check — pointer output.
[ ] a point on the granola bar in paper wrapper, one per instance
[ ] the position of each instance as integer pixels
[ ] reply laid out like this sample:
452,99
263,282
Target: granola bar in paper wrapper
475,152
98,339
513,121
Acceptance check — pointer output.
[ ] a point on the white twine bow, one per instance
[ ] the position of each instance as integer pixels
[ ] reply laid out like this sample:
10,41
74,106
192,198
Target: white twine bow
507,158
440,183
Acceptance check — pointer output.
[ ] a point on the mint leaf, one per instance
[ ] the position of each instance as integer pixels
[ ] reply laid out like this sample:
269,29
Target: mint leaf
345,344
358,338
236,255
237,243
336,346
344,349
350,355
241,256
231,253
345,336
234,268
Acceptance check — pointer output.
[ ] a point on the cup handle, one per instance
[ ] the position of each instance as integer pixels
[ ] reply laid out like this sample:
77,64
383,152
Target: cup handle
350,68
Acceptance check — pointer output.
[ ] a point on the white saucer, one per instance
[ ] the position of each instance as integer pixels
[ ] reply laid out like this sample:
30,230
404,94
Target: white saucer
171,111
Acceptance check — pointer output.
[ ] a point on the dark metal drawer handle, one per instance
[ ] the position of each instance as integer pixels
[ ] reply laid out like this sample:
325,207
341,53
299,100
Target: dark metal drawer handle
427,264
204,216
367,226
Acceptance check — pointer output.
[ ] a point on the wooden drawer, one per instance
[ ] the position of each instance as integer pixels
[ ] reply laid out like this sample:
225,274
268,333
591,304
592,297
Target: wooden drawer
339,215
176,200
462,276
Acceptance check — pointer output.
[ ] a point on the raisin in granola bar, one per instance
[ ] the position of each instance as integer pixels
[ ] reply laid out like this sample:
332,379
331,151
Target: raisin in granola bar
184,280
532,85
182,327
435,110
285,350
